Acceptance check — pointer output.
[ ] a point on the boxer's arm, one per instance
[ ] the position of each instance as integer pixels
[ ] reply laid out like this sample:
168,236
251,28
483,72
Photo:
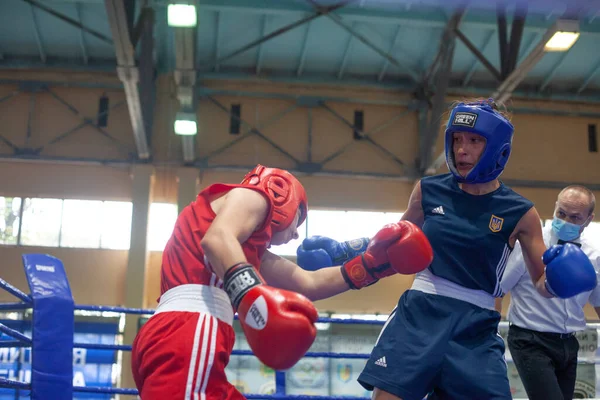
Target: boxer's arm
316,285
399,248
414,212
242,212
594,298
515,269
529,234
498,304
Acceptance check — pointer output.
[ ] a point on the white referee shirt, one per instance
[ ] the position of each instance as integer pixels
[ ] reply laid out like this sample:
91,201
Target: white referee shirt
528,309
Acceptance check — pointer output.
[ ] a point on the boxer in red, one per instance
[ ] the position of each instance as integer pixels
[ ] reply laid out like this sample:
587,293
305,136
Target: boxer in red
210,270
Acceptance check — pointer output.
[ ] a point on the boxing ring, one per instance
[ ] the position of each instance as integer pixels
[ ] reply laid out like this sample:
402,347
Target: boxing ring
52,339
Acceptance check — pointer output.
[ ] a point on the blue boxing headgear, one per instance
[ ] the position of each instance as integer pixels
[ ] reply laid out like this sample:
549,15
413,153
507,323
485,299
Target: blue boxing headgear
480,118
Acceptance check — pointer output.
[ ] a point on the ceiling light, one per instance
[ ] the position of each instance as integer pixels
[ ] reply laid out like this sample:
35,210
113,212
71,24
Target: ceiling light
561,41
181,15
185,124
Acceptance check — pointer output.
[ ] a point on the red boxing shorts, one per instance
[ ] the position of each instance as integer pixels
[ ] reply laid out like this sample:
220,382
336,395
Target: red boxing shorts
183,349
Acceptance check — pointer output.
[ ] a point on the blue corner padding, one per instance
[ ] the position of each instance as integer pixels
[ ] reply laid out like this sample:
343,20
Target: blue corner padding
52,328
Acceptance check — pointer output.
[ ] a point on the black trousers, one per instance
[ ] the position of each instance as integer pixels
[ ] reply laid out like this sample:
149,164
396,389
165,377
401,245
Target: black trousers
547,362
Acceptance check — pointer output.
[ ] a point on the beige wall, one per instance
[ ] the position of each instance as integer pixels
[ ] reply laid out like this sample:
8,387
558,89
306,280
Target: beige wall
27,179
547,148
95,276
50,119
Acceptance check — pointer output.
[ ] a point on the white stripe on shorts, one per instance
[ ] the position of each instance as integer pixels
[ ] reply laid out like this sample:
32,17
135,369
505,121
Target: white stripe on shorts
392,315
211,355
207,352
192,367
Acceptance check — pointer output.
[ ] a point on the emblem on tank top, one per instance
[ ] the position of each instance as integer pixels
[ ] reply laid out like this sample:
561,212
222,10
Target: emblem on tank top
496,223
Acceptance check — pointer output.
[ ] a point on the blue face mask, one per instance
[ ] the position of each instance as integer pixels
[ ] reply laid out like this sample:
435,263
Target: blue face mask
565,230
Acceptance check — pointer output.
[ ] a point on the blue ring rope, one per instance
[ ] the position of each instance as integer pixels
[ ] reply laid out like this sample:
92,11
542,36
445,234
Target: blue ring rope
149,311
9,383
99,389
124,310
124,347
13,343
24,341
14,291
15,334
301,397
15,306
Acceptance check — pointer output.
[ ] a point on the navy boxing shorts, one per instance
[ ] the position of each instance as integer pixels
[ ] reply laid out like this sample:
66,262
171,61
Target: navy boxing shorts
437,343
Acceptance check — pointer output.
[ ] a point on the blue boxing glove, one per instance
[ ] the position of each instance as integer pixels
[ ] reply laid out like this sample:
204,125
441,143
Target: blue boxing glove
569,271
318,252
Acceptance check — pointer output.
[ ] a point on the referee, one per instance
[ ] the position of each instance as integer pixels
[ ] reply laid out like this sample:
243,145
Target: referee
541,334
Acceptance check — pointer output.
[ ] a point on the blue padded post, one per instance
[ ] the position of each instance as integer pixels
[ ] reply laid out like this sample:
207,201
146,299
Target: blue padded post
280,383
52,328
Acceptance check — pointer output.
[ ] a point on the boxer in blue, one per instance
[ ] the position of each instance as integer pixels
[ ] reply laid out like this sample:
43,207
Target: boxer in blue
442,338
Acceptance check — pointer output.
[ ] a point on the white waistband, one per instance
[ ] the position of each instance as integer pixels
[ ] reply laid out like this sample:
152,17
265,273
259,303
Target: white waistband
197,298
427,282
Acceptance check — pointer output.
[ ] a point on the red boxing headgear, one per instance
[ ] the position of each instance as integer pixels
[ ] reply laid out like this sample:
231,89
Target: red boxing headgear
285,190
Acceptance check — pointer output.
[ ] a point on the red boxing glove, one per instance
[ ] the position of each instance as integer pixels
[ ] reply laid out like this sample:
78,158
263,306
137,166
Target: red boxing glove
397,248
278,324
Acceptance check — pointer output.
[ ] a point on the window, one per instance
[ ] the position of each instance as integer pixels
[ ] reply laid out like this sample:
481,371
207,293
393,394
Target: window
10,211
96,224
359,125
103,112
338,225
80,225
347,225
115,225
289,249
107,224
234,119
41,222
592,139
161,222
65,223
